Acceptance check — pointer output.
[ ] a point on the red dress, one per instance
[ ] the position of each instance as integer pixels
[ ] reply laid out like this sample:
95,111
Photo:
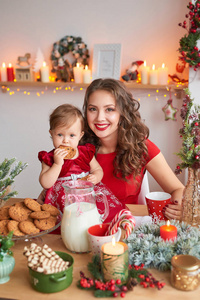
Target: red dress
72,169
126,192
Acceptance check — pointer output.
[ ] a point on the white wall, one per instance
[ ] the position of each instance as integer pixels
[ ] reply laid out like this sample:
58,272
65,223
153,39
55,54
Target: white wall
146,29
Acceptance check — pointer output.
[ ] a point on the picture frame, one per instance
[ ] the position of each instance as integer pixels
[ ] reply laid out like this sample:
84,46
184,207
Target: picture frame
106,61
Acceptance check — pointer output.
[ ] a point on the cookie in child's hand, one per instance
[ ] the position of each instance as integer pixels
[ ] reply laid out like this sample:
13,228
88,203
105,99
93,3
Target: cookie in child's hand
71,151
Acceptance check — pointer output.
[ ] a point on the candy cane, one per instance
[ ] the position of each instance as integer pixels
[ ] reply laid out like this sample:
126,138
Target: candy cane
125,219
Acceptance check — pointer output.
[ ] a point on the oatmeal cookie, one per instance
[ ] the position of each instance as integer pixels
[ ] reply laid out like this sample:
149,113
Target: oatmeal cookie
19,212
14,226
71,152
28,227
40,215
44,224
3,227
51,209
4,213
32,204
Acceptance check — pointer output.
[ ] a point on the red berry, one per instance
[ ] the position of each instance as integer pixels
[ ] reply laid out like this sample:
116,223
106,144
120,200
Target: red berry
196,124
112,281
115,295
112,288
124,288
122,294
118,281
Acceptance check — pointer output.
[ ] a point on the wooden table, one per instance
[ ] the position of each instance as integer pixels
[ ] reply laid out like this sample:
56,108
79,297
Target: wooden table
19,285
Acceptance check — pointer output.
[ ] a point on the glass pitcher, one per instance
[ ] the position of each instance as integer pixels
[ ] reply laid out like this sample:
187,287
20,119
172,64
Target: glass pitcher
80,213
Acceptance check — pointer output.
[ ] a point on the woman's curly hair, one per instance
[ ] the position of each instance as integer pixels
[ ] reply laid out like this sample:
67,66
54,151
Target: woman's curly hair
131,149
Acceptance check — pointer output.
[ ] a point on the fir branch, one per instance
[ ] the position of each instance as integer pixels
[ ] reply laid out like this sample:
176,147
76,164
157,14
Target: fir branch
94,267
8,172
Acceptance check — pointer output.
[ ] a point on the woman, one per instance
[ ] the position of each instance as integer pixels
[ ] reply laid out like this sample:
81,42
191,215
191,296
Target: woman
113,124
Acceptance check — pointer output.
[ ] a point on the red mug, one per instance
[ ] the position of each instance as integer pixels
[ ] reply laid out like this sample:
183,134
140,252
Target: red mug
156,201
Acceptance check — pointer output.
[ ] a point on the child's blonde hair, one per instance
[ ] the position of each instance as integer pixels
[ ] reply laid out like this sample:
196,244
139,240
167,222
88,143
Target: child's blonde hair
65,115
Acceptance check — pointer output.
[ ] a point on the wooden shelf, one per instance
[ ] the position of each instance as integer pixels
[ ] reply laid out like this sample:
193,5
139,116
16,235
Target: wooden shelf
130,85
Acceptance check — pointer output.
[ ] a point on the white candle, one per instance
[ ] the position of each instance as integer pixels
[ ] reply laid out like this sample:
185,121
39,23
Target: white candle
3,72
153,76
144,71
86,75
163,75
44,72
78,73
113,248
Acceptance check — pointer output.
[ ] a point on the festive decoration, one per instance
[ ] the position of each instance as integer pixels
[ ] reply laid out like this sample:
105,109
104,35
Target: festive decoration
146,246
185,272
190,134
137,276
114,261
5,244
7,174
124,219
190,156
190,202
168,231
65,54
188,49
170,111
38,61
132,72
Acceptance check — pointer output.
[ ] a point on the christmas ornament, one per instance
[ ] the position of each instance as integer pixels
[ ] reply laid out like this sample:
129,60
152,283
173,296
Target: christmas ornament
188,49
170,111
132,72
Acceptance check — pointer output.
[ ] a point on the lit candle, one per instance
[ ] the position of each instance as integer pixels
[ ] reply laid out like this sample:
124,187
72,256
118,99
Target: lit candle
10,73
3,72
44,72
144,71
113,248
115,261
78,73
86,75
168,231
163,75
153,76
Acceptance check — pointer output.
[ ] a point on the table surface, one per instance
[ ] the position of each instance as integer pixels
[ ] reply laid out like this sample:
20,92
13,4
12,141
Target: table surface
18,287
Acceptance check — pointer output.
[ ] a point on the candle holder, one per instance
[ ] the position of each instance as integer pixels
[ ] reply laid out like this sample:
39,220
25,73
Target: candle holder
115,266
185,272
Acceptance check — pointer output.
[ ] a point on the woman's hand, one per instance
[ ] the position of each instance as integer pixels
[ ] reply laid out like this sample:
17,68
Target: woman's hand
173,211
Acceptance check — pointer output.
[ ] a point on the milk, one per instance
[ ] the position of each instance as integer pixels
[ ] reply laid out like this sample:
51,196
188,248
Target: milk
76,220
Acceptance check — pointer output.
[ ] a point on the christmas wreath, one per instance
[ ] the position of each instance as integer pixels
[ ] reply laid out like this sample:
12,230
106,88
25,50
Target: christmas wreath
65,54
190,134
188,49
146,246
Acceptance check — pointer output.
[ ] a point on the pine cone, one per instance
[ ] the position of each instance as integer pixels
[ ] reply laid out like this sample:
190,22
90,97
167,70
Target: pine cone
131,283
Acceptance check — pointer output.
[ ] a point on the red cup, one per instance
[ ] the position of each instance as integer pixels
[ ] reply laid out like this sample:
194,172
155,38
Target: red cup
96,236
156,201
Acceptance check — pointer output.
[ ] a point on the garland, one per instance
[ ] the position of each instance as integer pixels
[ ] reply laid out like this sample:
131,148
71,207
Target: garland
188,43
146,246
137,276
190,134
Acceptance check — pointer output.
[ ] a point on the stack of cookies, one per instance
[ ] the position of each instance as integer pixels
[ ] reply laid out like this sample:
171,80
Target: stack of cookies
44,259
27,217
